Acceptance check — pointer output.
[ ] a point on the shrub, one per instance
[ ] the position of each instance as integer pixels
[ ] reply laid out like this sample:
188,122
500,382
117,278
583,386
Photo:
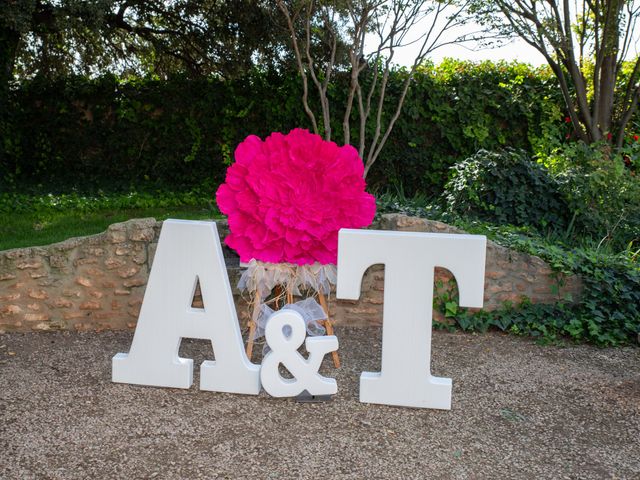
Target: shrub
119,134
608,310
602,192
505,187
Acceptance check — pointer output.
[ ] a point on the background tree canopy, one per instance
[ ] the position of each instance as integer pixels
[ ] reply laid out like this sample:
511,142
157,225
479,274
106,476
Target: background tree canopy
591,47
196,37
92,55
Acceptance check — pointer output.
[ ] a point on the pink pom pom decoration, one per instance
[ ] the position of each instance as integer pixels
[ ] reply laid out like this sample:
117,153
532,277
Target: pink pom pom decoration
288,196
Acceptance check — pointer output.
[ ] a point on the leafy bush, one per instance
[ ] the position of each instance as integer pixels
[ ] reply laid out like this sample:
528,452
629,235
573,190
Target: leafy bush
113,134
505,187
608,311
137,133
631,149
602,192
458,107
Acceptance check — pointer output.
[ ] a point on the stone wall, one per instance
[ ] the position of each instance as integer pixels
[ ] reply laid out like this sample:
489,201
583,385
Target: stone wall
93,282
97,282
510,276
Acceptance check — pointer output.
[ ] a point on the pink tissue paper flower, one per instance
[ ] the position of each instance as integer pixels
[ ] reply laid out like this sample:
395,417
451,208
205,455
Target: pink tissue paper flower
286,198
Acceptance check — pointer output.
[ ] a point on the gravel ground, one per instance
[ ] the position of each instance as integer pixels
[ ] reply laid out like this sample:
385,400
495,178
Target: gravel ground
519,411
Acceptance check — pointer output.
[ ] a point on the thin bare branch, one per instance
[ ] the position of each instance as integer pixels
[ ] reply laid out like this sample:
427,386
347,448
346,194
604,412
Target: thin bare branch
301,68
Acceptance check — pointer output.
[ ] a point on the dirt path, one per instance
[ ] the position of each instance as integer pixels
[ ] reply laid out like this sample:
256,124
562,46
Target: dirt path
519,411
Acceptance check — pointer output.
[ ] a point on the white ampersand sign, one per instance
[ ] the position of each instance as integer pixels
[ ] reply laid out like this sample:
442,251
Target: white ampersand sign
284,350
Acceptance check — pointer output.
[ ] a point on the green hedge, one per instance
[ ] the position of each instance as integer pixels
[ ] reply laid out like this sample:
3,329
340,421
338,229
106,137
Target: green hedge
113,134
506,187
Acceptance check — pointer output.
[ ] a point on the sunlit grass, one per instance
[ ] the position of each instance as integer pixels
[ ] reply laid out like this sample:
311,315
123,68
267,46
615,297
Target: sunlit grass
22,229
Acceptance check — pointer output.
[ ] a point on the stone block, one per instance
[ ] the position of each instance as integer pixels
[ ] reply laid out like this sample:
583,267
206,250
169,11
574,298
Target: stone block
84,281
43,327
78,262
11,310
38,294
67,292
494,274
36,317
378,300
128,272
59,261
94,272
363,310
116,233
61,303
91,305
29,264
135,282
11,297
113,263
139,258
142,234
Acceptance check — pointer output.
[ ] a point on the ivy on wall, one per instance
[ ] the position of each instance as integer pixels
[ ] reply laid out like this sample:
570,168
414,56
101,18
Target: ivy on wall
111,133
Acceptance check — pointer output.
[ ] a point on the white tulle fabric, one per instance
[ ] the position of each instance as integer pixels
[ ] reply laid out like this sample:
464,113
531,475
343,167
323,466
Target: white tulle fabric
309,309
261,278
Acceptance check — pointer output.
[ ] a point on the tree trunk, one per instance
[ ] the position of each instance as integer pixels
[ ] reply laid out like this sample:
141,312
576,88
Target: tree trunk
607,90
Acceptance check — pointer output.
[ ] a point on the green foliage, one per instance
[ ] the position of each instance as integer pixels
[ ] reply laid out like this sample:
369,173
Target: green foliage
505,187
631,152
417,206
158,38
110,133
603,193
65,202
458,107
137,134
607,313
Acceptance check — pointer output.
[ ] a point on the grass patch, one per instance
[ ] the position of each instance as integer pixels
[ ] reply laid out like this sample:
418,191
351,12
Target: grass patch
43,228
29,220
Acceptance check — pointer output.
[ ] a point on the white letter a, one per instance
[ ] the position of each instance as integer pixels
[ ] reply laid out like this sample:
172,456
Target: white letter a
187,251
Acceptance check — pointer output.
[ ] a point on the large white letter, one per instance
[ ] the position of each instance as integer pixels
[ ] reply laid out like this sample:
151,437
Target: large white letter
187,252
409,258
